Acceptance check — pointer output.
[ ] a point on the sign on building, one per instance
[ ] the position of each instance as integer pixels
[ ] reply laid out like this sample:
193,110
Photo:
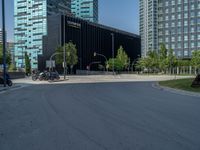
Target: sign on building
50,63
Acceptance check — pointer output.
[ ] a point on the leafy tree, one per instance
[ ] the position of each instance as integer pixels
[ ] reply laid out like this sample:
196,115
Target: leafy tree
195,61
71,54
121,61
143,63
163,51
171,59
184,63
27,64
163,57
153,60
8,56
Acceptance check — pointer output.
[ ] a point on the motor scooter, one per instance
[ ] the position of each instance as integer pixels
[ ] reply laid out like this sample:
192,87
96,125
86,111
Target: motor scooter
8,81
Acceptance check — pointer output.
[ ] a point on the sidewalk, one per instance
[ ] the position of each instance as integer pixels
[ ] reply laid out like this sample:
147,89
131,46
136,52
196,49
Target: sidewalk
74,79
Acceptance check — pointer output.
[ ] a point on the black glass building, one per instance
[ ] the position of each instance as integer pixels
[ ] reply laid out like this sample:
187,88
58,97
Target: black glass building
89,38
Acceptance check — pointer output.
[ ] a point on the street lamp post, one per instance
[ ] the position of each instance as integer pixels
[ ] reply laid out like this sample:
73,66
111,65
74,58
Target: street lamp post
95,54
4,42
64,49
113,53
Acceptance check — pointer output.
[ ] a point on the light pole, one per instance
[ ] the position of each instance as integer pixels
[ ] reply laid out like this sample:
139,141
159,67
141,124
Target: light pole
64,49
4,42
113,53
95,54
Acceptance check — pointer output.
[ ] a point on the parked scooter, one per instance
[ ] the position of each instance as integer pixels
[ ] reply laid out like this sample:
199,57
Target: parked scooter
54,76
8,80
44,76
35,76
47,76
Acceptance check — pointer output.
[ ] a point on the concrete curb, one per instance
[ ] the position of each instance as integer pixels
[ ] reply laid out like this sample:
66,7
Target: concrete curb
176,91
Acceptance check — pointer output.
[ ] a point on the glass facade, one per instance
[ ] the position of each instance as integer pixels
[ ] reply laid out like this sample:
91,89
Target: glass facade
179,22
85,9
31,25
177,25
148,25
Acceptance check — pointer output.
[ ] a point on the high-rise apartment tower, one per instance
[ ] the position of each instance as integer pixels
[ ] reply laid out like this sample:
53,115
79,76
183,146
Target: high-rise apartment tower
148,25
31,25
177,25
85,9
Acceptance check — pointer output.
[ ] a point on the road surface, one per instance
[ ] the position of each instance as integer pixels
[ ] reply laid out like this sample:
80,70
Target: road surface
98,116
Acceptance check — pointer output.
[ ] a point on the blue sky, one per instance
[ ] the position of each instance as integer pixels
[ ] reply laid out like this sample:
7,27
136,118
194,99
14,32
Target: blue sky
121,14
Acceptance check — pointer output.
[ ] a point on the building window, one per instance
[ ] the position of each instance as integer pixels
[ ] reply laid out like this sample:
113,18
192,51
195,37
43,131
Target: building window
173,24
185,23
193,37
192,29
185,53
179,38
179,53
173,17
179,24
173,39
185,15
185,30
166,25
166,39
173,46
198,36
192,45
185,45
179,45
179,16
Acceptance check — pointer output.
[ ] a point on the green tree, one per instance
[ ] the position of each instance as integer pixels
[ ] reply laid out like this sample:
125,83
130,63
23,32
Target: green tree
8,56
121,61
143,63
150,62
163,58
27,64
183,63
163,51
195,61
71,54
171,60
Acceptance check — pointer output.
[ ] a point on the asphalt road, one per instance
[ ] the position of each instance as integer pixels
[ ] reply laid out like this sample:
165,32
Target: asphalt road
98,116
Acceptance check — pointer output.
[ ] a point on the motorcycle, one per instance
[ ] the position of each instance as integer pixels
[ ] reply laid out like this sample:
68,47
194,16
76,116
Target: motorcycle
8,81
54,76
35,77
44,76
47,76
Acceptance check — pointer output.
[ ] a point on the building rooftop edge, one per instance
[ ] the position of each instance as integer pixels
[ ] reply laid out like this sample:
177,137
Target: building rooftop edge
106,27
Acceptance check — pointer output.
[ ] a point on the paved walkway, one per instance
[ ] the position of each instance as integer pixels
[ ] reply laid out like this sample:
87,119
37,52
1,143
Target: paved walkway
93,79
